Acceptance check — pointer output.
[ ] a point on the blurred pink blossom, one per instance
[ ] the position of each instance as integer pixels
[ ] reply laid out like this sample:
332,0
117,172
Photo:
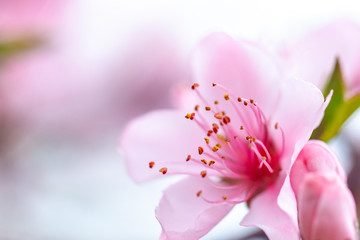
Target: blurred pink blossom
326,208
29,16
245,132
313,57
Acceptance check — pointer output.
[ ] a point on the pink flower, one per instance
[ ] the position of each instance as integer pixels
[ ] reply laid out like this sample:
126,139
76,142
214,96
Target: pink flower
313,57
326,208
237,144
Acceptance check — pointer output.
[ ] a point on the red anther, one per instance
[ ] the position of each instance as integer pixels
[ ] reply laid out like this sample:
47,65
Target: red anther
207,108
195,85
215,126
192,116
241,127
239,99
226,119
215,130
163,170
276,125
251,101
218,115
151,164
201,150
203,161
198,193
203,173
196,107
209,133
188,157
245,103
214,84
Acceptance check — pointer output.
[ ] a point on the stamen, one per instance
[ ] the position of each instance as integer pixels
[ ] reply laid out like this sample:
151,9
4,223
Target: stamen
196,107
163,170
195,85
203,173
215,148
226,96
216,102
151,164
198,193
224,197
276,125
187,116
204,161
209,133
245,103
214,84
239,99
188,157
207,140
200,150
211,162
218,145
241,127
218,115
226,119
207,108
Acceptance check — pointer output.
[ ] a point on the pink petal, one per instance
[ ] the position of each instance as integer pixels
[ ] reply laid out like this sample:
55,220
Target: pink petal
326,208
314,157
164,137
266,214
299,111
246,69
314,56
183,215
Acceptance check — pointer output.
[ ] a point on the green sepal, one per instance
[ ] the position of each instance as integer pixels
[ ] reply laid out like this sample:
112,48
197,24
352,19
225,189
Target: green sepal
339,108
18,45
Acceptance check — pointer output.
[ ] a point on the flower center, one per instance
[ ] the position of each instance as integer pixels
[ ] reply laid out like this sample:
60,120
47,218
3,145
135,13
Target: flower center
237,141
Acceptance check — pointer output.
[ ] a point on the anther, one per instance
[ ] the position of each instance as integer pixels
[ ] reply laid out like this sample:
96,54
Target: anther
203,161
188,157
216,102
151,164
201,150
207,140
241,127
276,125
215,148
251,101
198,193
192,116
218,115
203,173
207,108
215,126
195,85
215,130
226,119
223,157
224,197
226,96
214,84
209,133
211,162
239,99
187,116
196,107
227,140
218,145
163,170
245,103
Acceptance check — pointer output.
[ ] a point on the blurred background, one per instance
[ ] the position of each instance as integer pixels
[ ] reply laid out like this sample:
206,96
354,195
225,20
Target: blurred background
74,72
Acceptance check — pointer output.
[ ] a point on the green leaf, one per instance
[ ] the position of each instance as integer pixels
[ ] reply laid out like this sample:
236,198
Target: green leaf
339,108
15,46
